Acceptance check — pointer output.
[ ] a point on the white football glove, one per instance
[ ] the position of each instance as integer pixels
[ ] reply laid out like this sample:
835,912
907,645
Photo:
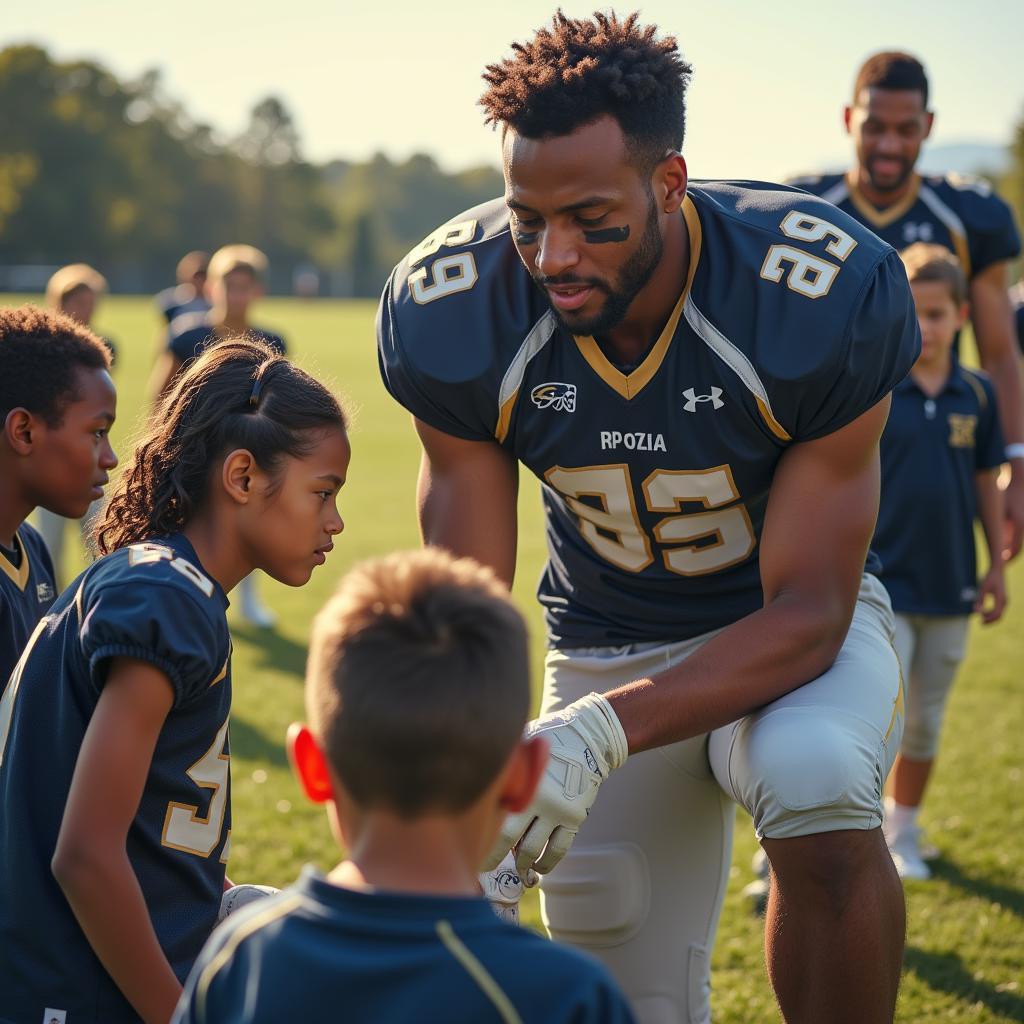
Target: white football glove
587,742
504,888
239,896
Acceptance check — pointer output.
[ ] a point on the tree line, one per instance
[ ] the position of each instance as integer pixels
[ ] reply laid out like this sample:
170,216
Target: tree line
116,173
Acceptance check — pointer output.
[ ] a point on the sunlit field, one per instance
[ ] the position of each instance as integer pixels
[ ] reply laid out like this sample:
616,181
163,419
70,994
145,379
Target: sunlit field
965,951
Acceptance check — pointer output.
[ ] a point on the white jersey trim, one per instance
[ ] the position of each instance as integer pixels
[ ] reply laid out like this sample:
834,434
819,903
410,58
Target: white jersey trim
540,334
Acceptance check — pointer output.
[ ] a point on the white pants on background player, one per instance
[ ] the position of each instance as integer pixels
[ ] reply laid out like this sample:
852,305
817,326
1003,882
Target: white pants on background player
641,889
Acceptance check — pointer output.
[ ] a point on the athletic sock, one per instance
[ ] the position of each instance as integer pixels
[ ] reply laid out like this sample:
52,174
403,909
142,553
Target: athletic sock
899,818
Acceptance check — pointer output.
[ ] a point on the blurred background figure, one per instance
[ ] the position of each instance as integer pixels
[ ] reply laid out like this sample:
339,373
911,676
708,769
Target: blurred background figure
75,290
189,294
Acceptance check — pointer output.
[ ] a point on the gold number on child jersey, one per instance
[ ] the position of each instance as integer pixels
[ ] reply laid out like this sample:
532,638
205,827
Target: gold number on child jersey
184,828
613,529
808,274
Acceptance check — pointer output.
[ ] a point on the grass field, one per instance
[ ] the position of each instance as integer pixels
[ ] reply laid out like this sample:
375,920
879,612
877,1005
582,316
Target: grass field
965,948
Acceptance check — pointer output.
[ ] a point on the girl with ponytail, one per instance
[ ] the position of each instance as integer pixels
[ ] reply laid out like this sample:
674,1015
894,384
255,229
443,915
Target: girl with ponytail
114,757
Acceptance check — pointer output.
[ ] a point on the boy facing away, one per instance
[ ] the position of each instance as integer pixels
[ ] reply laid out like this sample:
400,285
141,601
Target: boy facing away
940,452
417,692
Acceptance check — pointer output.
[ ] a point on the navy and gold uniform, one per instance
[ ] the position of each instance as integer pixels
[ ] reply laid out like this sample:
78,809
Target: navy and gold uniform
932,448
27,590
190,333
794,321
302,954
957,211
178,300
151,602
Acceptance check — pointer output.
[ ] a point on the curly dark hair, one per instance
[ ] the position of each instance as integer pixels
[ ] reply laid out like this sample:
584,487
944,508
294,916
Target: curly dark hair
892,69
577,70
40,354
238,394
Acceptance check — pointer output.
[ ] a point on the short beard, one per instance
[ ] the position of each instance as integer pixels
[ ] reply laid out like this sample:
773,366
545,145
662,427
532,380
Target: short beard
636,272
908,169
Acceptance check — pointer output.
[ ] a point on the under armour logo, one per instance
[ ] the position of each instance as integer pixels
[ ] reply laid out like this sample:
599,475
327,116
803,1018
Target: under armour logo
692,398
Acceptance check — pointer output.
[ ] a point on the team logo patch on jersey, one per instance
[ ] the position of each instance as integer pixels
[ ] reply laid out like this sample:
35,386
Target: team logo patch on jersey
693,399
44,592
961,430
560,397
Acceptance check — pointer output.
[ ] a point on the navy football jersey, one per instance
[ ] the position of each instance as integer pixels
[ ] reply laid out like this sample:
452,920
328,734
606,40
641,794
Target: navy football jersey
318,952
178,300
957,211
932,448
27,590
191,333
152,602
793,321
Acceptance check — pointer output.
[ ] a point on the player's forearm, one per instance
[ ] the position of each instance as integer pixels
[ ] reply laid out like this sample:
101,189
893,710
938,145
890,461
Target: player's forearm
991,513
105,896
758,659
1005,371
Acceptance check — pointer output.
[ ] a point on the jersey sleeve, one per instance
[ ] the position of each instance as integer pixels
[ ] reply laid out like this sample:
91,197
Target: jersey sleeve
990,449
881,343
991,231
159,623
435,386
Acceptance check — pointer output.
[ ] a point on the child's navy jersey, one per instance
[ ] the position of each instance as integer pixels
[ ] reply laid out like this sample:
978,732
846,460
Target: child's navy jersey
794,320
27,590
959,212
317,952
931,450
152,602
190,334
178,300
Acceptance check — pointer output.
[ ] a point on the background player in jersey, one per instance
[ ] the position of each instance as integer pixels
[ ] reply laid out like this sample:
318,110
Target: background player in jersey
417,691
189,294
235,277
888,122
941,450
57,403
74,290
114,758
711,485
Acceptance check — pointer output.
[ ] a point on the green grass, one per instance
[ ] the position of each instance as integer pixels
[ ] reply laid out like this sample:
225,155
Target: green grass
965,945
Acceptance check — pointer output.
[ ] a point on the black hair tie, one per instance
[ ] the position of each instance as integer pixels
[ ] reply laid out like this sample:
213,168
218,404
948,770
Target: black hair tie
257,388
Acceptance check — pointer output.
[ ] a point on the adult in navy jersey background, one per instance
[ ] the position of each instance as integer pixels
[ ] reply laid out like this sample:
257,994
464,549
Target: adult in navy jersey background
889,121
698,373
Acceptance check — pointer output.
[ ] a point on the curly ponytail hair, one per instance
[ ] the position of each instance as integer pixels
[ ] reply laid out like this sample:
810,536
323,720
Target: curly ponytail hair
580,69
237,394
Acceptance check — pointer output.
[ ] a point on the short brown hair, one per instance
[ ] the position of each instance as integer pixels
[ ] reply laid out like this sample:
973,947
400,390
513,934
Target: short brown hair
237,257
892,69
70,279
192,263
40,351
930,262
418,681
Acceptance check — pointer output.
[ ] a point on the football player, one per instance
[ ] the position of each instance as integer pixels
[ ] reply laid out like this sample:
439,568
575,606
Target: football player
698,372
57,403
114,756
189,294
888,121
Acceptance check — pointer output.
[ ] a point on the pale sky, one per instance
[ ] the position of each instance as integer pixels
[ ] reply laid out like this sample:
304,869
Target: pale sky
402,76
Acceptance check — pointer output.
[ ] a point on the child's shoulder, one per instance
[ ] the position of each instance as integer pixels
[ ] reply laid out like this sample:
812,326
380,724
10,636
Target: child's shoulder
980,383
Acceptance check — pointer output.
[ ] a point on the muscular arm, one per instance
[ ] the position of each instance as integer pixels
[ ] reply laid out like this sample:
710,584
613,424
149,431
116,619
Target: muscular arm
992,317
91,862
467,499
818,525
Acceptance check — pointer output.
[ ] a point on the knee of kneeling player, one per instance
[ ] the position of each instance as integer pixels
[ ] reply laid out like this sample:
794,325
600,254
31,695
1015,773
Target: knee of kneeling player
807,776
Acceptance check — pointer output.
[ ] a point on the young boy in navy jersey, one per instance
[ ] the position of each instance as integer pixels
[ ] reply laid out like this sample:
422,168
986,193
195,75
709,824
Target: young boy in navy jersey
57,403
940,452
417,693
